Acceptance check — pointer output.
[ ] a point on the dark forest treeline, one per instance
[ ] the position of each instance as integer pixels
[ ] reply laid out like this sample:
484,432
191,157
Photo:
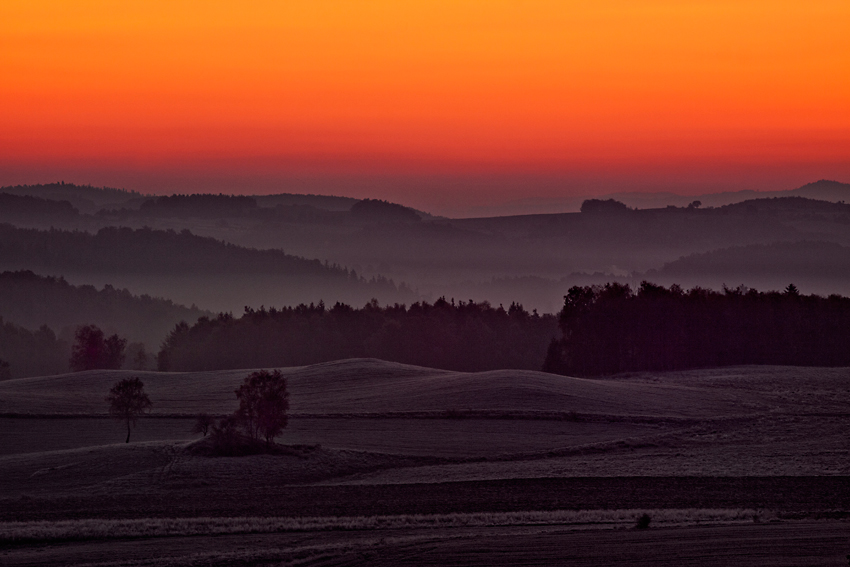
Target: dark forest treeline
198,205
466,336
32,300
87,198
610,329
31,353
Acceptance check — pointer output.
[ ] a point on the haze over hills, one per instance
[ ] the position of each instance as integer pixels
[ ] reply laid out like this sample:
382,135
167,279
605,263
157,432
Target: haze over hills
31,300
186,268
531,259
819,267
824,189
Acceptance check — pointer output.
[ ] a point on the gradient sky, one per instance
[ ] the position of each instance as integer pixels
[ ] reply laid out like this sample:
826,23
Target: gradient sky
432,103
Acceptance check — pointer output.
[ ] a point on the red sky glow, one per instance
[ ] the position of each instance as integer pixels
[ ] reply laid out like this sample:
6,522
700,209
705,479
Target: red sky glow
435,104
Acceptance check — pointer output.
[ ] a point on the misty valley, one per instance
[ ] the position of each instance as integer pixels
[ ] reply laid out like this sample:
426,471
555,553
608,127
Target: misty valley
290,379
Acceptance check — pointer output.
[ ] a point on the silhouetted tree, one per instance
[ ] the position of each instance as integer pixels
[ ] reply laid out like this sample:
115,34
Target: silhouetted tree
203,423
5,370
138,355
92,351
127,401
608,206
263,401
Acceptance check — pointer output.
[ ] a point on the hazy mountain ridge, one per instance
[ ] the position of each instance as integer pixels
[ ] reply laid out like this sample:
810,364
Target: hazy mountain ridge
530,259
188,268
819,267
31,300
823,189
147,250
86,198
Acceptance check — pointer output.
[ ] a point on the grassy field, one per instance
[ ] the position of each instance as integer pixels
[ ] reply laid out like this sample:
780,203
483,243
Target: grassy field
366,386
393,464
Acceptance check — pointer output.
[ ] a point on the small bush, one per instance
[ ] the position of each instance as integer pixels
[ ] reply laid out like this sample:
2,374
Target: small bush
642,522
203,423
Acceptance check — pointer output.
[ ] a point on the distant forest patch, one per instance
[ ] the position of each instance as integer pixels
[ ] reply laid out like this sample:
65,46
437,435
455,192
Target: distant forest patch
32,300
464,336
198,205
120,249
611,329
31,353
377,210
26,207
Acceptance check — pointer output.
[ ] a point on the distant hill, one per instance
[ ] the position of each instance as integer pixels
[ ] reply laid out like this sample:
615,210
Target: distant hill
145,250
27,208
382,211
86,198
198,206
814,267
189,269
322,202
374,387
506,256
825,190
31,300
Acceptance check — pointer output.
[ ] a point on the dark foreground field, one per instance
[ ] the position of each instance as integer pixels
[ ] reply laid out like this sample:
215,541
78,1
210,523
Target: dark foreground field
783,544
385,464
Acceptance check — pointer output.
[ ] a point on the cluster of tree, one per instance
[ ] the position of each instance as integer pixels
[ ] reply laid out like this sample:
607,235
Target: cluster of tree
93,350
146,250
30,353
32,300
383,211
610,329
603,207
86,198
261,415
200,205
465,336
40,353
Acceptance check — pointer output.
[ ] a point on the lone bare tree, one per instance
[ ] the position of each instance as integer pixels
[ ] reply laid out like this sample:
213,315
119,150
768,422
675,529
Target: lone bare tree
263,402
127,401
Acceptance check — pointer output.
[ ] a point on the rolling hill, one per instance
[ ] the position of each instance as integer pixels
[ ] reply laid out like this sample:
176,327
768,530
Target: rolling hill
372,387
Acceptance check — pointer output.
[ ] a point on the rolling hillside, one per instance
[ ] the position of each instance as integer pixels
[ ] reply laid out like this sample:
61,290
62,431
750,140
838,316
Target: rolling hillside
374,387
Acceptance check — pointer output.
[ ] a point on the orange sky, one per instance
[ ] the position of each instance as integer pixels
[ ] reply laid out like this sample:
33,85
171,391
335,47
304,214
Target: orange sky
161,95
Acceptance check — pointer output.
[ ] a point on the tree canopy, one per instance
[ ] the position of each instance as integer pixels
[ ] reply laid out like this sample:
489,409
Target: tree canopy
263,402
127,401
92,350
465,336
611,328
